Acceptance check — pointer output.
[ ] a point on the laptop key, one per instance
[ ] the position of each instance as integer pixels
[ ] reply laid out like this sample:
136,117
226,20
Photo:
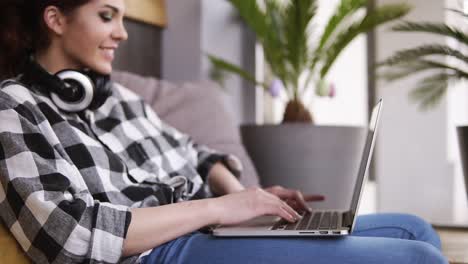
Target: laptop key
325,221
313,225
291,226
279,225
304,222
334,221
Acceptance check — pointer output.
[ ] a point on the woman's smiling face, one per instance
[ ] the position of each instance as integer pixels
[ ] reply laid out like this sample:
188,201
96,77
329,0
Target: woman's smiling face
92,33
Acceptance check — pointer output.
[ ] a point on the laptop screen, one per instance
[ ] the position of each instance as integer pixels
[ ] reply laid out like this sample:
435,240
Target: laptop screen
366,157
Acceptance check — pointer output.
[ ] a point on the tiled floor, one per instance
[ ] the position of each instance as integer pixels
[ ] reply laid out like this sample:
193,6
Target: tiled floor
455,244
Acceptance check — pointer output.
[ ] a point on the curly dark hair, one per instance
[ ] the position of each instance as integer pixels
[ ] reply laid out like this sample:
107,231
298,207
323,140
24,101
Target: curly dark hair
23,31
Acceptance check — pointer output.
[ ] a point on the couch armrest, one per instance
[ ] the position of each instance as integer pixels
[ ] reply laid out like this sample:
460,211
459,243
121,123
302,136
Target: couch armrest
10,250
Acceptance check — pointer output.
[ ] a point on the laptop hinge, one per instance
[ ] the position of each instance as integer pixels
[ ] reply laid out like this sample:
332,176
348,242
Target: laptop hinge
347,219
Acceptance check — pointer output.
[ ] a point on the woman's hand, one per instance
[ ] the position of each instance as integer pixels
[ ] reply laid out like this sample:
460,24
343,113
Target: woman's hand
294,198
247,204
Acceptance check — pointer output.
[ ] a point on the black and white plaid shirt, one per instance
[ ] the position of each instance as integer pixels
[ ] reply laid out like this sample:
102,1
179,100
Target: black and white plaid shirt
67,180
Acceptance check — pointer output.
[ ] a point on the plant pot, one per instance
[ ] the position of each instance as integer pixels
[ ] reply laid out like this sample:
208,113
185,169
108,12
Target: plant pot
314,159
462,132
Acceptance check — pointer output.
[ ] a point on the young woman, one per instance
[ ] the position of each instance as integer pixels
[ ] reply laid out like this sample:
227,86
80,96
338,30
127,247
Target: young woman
104,180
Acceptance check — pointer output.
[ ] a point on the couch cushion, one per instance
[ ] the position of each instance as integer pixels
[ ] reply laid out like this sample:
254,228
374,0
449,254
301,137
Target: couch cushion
197,109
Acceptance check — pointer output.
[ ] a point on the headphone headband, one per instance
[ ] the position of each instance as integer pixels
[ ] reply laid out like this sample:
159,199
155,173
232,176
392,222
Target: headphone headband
70,90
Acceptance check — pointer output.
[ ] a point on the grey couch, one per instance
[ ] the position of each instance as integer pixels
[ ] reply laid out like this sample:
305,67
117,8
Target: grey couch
197,109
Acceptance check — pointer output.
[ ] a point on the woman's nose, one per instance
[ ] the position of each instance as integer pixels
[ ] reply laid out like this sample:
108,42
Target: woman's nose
120,32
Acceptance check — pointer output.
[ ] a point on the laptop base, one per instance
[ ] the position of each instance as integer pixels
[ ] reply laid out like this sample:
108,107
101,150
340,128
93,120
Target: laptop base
262,227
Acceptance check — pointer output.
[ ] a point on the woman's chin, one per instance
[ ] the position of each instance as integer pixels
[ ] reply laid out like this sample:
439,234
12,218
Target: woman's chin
103,69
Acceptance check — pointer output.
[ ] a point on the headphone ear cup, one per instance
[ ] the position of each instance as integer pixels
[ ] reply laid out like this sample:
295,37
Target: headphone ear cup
102,89
78,93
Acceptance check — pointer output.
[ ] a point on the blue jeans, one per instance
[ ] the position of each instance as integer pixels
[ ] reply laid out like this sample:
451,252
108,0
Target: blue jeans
378,238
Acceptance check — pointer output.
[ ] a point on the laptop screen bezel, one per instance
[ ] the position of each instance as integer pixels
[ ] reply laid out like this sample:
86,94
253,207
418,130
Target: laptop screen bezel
365,161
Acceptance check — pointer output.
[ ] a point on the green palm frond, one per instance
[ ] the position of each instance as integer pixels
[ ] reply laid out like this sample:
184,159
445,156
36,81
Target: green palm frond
252,14
218,75
435,28
405,69
274,43
431,90
267,26
383,14
297,18
229,67
344,10
461,13
422,51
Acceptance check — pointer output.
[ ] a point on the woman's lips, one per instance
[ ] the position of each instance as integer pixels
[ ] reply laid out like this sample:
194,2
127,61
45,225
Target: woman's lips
108,53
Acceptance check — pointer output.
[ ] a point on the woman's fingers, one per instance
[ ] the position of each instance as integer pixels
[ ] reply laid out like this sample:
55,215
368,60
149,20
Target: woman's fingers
285,212
295,196
278,210
299,199
282,209
295,205
290,210
242,206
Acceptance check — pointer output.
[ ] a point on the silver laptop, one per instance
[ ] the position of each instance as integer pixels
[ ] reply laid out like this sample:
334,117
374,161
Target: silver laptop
317,222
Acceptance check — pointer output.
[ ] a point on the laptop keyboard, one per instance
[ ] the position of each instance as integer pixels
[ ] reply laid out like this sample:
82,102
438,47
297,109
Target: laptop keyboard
310,221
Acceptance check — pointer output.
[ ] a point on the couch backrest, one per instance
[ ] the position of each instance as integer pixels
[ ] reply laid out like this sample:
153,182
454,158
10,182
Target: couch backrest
197,109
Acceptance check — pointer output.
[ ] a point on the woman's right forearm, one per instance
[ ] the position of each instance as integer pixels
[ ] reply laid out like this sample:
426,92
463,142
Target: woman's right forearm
153,226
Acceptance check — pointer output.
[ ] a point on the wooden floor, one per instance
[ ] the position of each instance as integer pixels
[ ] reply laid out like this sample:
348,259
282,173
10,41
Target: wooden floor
454,244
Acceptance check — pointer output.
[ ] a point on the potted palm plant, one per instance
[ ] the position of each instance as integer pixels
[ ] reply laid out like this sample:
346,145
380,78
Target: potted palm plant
290,153
283,28
443,64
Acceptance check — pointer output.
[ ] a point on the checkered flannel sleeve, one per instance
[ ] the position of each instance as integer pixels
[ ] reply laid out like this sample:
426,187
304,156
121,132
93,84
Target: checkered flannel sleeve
205,157
43,199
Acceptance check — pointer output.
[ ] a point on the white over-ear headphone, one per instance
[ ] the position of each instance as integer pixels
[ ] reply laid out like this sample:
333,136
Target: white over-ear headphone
71,90
74,78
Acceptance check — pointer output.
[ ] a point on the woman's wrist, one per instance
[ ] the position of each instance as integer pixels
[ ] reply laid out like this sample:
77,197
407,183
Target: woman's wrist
222,181
213,208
